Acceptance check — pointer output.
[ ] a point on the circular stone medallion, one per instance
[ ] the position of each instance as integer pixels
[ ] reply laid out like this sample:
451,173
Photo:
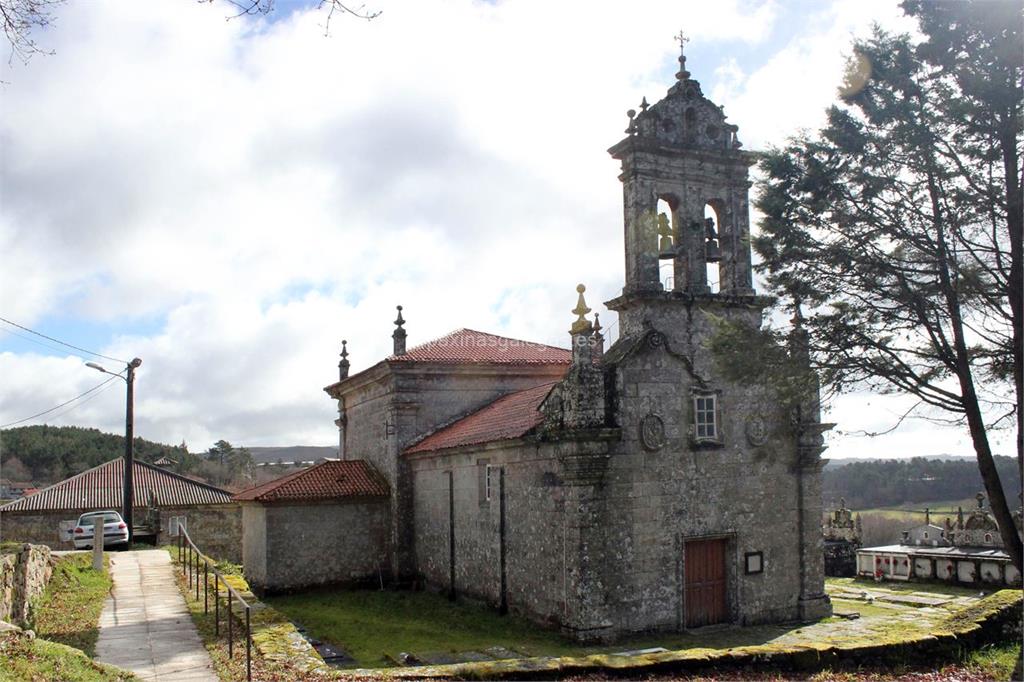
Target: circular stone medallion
757,430
652,432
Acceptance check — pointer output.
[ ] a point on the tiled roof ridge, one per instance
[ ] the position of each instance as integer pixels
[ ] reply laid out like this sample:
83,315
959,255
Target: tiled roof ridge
257,490
470,413
69,484
466,330
167,472
414,447
267,491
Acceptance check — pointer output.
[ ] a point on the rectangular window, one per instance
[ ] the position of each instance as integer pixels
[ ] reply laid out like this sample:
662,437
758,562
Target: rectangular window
704,417
488,483
484,486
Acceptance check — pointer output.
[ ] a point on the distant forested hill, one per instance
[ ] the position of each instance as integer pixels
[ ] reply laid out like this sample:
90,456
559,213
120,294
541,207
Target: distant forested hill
48,454
887,483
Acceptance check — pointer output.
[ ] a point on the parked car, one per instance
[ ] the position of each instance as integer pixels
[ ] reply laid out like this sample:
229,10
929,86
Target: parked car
115,530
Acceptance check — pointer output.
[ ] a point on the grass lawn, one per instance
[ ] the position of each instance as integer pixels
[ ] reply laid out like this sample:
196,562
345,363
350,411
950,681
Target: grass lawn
373,626
69,610
24,659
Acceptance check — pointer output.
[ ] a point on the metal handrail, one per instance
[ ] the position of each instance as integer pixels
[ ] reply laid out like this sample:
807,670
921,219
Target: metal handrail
185,545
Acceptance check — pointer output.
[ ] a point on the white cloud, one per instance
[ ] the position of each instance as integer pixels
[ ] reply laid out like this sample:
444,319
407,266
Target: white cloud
264,191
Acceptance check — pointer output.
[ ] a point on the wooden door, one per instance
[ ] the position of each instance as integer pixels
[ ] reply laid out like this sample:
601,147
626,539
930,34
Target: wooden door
705,583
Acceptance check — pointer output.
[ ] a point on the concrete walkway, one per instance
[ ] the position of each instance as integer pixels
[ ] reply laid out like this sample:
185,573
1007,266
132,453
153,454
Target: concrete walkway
145,626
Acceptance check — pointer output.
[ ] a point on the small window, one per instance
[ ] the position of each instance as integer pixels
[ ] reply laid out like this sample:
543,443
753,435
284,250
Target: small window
988,537
926,535
754,562
485,485
704,417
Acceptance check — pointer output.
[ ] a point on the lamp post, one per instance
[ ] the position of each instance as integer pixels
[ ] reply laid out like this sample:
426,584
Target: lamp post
129,442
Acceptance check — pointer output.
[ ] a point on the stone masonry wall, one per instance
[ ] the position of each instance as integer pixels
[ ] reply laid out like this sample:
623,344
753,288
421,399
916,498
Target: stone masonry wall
316,544
535,528
24,575
216,529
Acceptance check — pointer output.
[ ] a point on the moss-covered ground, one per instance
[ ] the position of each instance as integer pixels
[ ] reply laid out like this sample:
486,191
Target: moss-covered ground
375,627
24,659
69,610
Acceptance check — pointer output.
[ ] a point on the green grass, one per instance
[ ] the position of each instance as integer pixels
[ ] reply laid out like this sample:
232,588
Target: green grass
69,610
24,659
8,547
373,626
994,662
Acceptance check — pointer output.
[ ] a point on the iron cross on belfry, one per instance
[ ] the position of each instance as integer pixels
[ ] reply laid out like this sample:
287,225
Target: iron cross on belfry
682,40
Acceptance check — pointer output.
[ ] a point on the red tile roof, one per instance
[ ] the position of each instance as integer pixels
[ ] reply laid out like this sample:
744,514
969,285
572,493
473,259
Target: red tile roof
102,488
469,346
324,481
507,418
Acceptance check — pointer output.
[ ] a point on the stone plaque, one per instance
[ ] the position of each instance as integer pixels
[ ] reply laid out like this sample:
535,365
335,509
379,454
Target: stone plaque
757,430
652,432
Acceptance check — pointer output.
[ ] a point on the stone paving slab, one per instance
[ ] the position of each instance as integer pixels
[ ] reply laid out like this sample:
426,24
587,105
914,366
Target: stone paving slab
145,626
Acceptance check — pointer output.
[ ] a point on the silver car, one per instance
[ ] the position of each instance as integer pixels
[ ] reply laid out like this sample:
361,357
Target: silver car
115,530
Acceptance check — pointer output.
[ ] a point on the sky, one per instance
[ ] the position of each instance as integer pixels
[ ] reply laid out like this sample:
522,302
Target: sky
228,199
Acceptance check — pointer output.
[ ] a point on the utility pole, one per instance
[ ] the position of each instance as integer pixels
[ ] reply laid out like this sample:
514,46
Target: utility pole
129,451
128,491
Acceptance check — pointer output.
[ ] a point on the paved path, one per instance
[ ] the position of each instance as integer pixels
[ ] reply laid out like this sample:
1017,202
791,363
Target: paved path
145,626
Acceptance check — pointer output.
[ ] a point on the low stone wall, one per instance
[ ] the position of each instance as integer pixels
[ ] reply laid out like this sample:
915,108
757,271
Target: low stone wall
216,529
23,577
996,618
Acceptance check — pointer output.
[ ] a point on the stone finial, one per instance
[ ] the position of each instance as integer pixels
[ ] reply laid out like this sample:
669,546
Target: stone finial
980,497
842,503
399,334
631,128
682,74
927,517
598,338
644,104
344,364
582,324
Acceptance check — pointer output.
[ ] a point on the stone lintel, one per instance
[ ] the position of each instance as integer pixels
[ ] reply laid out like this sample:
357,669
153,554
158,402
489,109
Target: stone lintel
629,298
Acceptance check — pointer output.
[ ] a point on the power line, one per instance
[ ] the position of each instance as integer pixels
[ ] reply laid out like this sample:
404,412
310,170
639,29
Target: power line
50,338
67,402
28,338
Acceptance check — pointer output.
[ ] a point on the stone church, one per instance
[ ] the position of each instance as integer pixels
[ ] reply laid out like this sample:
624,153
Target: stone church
607,491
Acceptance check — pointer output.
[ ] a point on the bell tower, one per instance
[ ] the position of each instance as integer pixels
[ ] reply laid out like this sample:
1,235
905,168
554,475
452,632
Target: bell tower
685,185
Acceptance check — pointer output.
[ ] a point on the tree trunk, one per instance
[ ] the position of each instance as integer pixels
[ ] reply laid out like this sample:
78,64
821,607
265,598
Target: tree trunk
1015,232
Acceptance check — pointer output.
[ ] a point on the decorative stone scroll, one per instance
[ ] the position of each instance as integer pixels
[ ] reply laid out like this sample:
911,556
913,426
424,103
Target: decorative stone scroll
652,432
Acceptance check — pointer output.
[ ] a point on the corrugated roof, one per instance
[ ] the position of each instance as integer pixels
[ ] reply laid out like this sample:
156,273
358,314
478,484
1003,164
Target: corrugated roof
102,488
469,346
509,417
327,480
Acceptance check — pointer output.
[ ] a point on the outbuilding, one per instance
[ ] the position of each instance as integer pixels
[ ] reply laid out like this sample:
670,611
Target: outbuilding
323,525
162,500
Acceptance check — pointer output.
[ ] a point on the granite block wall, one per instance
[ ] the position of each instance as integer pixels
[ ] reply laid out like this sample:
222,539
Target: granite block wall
24,575
289,547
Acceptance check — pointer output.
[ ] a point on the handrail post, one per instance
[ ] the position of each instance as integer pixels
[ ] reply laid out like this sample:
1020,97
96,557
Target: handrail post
190,569
206,589
231,641
216,605
248,646
197,574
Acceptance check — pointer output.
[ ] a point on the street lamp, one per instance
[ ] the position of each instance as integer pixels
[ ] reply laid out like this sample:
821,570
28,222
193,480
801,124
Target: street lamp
129,445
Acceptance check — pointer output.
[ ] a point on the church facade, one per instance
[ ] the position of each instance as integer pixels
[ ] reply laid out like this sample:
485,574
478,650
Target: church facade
618,490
